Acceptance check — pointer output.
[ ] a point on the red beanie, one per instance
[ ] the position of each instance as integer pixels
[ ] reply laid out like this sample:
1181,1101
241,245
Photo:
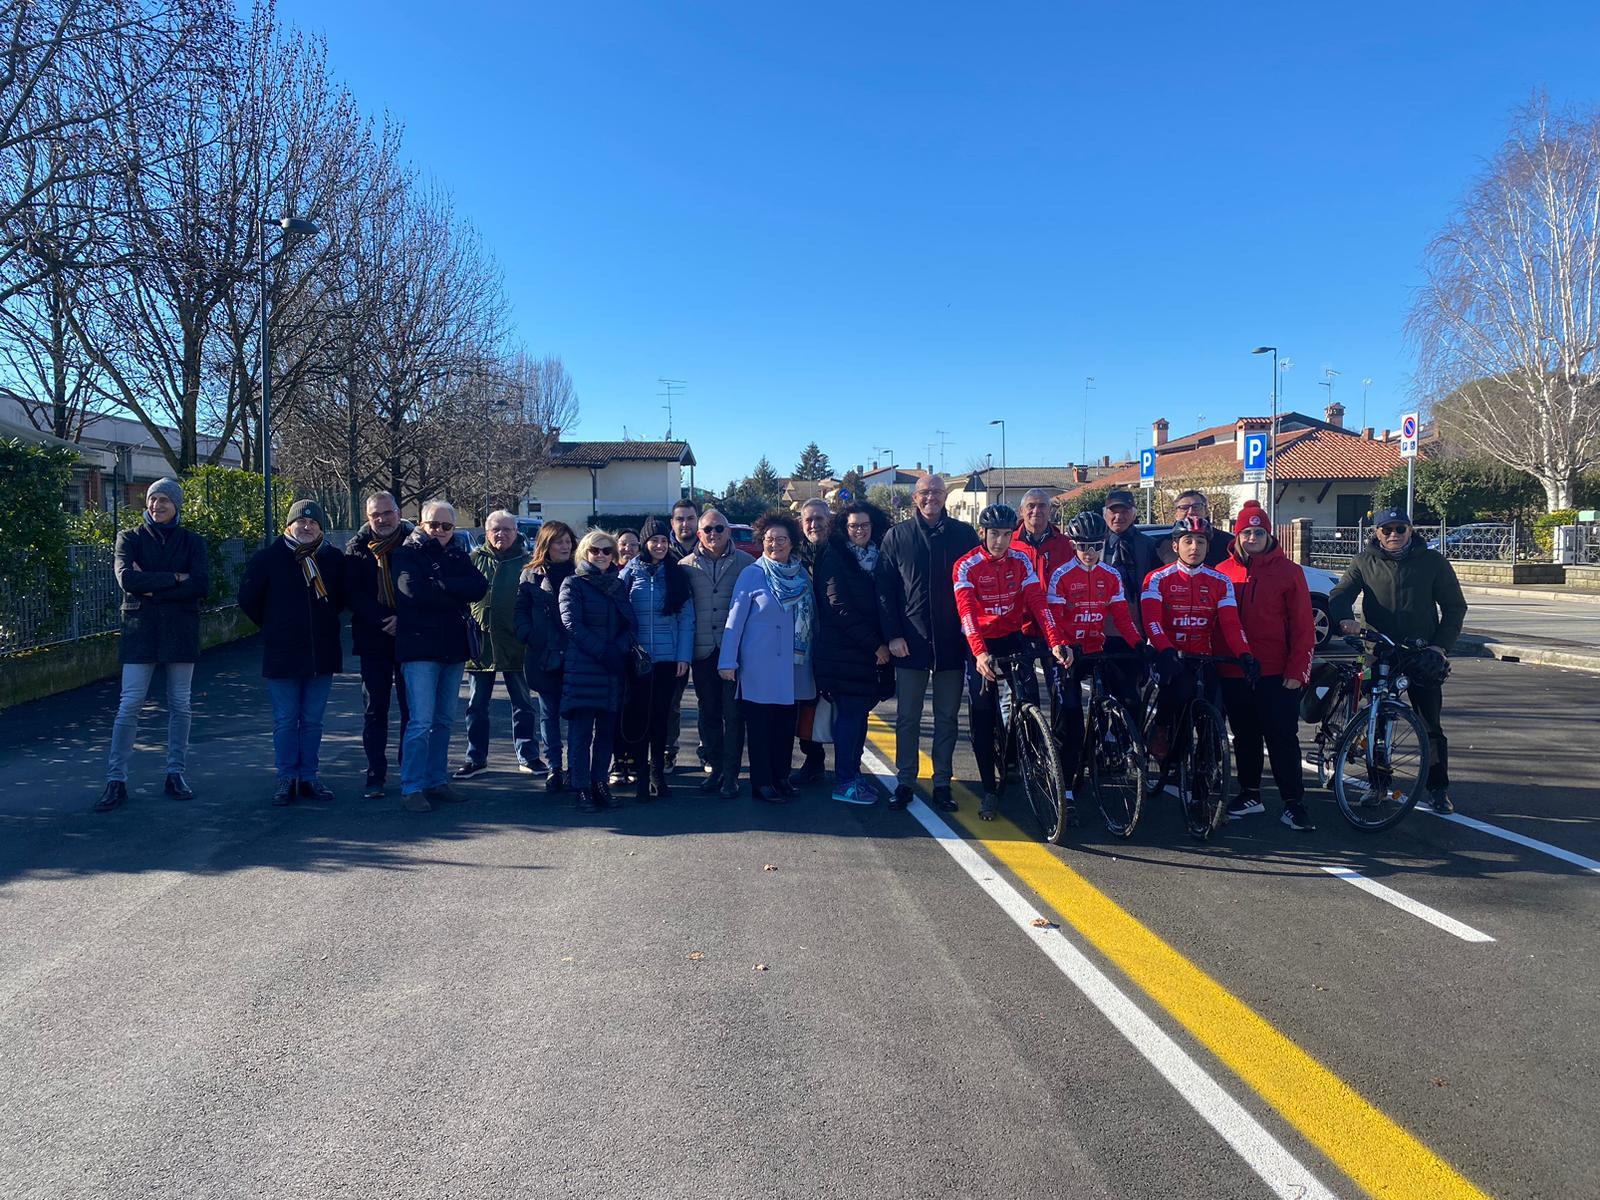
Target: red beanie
1251,516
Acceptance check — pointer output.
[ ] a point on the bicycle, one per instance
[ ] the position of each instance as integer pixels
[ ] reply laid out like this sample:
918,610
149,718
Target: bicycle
1199,749
1381,743
1022,734
1112,765
1330,711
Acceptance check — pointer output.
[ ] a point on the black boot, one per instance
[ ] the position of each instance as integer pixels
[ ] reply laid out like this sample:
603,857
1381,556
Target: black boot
177,788
603,797
659,787
587,802
555,781
642,789
116,793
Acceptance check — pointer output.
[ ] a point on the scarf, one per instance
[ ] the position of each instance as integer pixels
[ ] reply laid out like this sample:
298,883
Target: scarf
792,587
603,578
160,529
866,555
1399,556
307,557
380,548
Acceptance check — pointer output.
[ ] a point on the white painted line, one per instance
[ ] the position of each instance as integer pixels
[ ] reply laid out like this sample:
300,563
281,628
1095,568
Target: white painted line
1264,1154
1415,907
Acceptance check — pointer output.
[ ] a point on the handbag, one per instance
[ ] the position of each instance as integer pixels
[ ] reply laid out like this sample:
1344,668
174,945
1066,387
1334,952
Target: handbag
474,640
641,662
822,720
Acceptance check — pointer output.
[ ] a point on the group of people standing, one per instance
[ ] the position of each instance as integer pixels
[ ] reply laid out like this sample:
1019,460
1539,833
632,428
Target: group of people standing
595,638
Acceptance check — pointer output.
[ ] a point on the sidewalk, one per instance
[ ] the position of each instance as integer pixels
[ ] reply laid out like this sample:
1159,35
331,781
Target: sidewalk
1533,591
1527,649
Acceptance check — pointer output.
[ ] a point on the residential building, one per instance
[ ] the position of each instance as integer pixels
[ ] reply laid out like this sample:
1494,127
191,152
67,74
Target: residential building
970,496
585,479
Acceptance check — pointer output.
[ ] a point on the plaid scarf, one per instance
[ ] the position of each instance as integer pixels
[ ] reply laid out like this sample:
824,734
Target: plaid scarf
306,555
380,548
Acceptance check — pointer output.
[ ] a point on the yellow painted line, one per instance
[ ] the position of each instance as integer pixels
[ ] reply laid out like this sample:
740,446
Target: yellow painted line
1373,1150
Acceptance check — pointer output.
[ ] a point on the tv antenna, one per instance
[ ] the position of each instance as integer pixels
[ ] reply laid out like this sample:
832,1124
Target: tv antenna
674,388
944,440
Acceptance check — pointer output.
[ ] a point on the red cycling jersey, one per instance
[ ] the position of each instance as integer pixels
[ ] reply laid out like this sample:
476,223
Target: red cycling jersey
996,594
1187,608
1083,599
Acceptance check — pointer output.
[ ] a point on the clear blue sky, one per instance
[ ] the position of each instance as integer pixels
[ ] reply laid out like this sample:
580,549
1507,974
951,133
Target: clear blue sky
862,223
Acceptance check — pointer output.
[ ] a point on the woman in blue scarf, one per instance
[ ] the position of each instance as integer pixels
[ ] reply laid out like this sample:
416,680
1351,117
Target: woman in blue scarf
766,648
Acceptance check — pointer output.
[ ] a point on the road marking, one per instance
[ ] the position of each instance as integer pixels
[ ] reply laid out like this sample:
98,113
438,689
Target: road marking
1416,908
1286,1175
1374,1150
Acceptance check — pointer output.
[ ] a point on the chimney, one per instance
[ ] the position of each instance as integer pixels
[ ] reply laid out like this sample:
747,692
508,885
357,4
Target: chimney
1158,432
1105,460
919,464
874,464
1334,414
1080,474
1367,433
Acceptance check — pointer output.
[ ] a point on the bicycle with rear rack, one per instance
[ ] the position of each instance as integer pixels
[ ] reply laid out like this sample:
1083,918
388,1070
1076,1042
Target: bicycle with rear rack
1022,738
1198,749
1111,768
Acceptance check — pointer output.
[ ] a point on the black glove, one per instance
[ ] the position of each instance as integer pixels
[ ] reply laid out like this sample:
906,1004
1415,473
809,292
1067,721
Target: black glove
1146,652
1251,667
1166,666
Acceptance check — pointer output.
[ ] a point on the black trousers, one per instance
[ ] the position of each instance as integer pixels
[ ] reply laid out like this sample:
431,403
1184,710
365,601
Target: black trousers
1429,703
983,703
675,715
1267,715
645,716
721,718
380,681
770,728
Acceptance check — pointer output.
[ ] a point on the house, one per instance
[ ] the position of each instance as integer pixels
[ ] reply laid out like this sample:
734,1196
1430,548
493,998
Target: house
890,476
586,479
994,485
797,491
1326,473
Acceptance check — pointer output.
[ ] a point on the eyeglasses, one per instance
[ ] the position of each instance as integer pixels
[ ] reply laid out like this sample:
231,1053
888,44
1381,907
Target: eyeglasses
713,529
1095,546
608,551
1189,507
439,526
1392,530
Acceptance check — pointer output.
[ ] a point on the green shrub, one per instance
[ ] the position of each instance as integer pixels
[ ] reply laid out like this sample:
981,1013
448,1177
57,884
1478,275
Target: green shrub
1544,527
33,524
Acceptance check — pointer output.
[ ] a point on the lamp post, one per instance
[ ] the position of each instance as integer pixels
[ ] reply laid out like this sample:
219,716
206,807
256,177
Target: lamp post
1004,474
1272,441
1088,386
289,227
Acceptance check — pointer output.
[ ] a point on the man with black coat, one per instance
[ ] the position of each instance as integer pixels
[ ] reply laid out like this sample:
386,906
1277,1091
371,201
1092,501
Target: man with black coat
816,523
162,571
293,588
1194,504
1132,555
917,609
369,591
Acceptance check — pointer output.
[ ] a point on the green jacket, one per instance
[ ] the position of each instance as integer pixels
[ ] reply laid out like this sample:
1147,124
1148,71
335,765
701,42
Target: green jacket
496,613
1414,596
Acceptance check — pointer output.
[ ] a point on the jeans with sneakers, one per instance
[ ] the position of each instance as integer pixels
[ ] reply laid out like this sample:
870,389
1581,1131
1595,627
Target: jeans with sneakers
849,737
136,679
434,691
524,716
297,709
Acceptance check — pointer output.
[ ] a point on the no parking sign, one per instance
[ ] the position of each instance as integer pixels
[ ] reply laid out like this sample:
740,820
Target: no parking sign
1408,435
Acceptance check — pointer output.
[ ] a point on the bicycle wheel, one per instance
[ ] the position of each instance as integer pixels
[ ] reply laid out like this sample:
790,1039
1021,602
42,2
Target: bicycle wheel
1322,754
1378,779
1039,767
1204,773
1113,760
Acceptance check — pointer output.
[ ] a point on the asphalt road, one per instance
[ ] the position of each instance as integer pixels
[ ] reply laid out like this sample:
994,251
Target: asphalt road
1521,617
504,998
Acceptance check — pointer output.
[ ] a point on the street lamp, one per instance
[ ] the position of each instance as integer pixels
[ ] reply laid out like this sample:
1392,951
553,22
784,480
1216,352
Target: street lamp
1088,386
1004,474
1272,442
288,227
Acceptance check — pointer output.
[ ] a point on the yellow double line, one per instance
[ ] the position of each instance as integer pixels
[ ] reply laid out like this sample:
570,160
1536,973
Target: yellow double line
1373,1150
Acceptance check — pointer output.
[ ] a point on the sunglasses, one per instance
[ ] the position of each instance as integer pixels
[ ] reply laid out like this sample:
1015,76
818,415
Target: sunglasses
713,529
608,551
1090,545
439,526
1392,530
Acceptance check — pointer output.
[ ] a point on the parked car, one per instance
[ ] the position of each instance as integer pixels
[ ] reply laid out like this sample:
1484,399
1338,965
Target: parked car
1483,541
744,538
529,528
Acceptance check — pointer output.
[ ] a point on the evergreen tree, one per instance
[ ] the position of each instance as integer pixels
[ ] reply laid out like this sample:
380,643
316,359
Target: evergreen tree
856,485
763,483
813,464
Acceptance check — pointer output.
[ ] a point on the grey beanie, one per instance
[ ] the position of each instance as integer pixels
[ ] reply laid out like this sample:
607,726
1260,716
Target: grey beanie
169,488
307,508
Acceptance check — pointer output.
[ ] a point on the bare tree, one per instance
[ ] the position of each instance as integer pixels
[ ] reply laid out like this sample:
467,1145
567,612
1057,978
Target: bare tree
1508,325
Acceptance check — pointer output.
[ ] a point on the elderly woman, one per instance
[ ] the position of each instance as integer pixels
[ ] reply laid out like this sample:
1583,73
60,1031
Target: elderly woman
766,649
625,765
852,655
598,620
538,625
663,609
434,583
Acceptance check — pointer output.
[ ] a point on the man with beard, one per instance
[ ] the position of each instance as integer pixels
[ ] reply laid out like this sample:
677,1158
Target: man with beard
369,590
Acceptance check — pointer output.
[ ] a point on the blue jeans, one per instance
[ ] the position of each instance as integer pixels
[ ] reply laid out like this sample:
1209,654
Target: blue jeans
433,690
849,736
136,678
297,708
524,715
592,736
555,727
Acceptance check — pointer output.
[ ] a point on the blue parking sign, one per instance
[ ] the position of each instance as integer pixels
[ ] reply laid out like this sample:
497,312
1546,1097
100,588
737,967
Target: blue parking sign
1255,457
1147,468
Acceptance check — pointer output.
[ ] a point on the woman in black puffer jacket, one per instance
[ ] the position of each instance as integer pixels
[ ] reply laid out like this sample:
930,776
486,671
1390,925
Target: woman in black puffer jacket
851,655
538,624
598,619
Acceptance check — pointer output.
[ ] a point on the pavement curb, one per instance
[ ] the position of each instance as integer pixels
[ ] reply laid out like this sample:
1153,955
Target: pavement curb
1477,646
1571,597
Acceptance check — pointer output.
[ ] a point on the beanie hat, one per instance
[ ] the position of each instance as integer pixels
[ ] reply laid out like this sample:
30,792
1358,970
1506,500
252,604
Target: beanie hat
1251,516
307,508
654,527
169,488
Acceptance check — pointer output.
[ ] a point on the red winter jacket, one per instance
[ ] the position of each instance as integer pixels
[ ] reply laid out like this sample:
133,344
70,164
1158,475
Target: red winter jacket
1047,558
1275,609
1193,610
1085,600
995,593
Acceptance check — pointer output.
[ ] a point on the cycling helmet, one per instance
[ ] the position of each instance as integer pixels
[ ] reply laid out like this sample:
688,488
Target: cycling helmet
998,516
1185,525
1427,667
1087,527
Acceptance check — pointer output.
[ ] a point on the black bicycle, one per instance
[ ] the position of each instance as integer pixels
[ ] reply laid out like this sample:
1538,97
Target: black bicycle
1380,757
1198,750
1112,766
1022,739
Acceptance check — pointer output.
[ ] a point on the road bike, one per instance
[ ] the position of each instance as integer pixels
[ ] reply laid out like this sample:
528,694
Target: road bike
1198,749
1112,766
1023,744
1380,756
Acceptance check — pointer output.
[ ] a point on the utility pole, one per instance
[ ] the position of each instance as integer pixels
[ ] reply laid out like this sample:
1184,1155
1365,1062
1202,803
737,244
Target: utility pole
1088,386
1366,386
673,388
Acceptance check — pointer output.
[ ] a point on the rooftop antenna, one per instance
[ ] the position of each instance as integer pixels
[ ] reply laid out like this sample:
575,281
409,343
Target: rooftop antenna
1088,386
1327,382
673,388
944,440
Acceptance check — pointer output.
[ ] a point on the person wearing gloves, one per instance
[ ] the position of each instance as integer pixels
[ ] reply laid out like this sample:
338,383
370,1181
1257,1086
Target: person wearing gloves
161,569
1408,592
663,613
597,617
293,588
434,583
1275,610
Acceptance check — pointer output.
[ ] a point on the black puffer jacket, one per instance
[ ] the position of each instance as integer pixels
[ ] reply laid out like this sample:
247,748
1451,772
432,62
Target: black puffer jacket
160,615
299,629
538,625
848,634
367,611
598,618
917,595
433,585
1143,555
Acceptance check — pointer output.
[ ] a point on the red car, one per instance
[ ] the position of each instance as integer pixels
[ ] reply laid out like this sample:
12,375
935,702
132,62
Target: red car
744,538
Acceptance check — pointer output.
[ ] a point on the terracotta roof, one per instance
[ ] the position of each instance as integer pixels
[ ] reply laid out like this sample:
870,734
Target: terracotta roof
600,454
1013,478
1320,454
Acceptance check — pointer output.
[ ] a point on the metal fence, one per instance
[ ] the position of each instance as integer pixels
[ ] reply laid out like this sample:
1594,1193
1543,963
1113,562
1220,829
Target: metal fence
33,615
1480,541
1586,547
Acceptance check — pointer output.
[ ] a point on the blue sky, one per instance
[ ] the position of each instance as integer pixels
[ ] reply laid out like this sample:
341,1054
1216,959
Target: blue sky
865,223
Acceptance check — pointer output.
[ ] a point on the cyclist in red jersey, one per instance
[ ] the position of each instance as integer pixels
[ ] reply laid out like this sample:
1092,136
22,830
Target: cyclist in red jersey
1190,607
996,590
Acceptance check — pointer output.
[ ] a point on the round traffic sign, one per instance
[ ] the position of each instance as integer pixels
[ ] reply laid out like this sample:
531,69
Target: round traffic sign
1408,427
